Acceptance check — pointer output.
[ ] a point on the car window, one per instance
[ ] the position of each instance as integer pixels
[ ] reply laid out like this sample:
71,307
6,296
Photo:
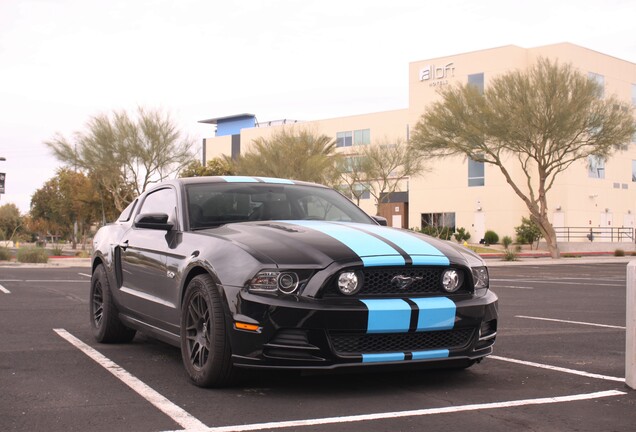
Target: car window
216,204
125,215
322,209
160,201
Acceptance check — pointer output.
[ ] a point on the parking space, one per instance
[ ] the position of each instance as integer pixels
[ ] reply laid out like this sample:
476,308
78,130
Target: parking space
558,365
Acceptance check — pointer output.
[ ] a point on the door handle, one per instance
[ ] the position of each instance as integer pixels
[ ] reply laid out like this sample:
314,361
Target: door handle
123,244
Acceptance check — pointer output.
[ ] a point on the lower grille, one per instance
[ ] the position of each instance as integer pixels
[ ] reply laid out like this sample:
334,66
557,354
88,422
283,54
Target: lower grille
401,342
291,344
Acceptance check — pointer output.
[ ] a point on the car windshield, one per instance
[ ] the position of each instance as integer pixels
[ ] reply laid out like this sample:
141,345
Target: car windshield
214,204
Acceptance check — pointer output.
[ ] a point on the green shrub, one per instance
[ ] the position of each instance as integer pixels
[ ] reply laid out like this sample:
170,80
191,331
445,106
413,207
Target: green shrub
83,254
510,255
32,255
619,252
56,251
445,233
462,235
491,237
528,232
5,254
506,241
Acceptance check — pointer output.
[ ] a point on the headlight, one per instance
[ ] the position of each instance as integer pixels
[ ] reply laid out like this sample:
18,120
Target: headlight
451,280
265,281
272,281
480,277
349,283
287,282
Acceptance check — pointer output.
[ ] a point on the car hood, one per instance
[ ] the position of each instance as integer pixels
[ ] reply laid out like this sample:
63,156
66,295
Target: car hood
319,243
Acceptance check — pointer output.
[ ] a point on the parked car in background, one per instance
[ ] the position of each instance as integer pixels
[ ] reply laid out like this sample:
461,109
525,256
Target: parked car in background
252,272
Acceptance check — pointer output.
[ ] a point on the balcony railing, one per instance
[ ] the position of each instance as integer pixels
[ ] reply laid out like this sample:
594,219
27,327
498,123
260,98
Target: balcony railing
605,234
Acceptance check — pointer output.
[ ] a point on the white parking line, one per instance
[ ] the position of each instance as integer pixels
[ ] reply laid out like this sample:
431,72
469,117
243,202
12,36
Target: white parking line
558,369
175,412
571,322
55,280
84,274
4,290
415,413
190,423
513,287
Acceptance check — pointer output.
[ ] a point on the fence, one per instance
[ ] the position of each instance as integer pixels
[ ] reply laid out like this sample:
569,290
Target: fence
606,234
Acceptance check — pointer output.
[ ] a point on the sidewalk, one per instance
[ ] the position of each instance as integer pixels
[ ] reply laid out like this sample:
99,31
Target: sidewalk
546,260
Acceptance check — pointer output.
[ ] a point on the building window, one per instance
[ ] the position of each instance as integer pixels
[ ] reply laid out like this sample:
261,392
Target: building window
439,220
634,94
475,173
362,137
477,80
356,137
343,139
359,192
598,79
634,170
595,167
353,164
362,191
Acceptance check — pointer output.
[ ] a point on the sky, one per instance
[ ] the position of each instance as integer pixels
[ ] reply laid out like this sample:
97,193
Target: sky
64,61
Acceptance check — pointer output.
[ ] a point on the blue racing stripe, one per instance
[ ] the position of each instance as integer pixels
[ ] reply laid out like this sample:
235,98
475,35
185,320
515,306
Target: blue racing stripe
275,180
433,354
384,357
388,316
419,249
239,179
436,313
371,250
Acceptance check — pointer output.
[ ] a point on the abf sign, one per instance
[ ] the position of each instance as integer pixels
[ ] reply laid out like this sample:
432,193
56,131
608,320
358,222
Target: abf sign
432,72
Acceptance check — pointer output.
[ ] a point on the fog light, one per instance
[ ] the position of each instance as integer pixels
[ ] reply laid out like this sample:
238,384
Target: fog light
288,282
348,283
451,280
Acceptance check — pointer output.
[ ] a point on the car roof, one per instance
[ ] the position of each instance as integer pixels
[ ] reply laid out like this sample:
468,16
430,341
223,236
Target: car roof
235,179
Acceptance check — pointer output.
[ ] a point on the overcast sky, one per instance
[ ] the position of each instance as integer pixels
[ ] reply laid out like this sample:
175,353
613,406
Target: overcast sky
62,61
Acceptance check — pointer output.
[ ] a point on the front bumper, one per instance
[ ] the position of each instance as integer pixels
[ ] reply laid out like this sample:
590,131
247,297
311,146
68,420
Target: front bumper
299,333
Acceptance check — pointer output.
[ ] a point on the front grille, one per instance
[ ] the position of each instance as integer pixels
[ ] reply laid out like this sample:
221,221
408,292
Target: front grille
380,282
401,342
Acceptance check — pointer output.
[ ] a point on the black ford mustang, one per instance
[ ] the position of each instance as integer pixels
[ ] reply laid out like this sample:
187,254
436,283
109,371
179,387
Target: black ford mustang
251,272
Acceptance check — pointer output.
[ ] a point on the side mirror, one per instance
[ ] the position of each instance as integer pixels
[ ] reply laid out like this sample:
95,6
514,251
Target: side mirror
380,220
156,221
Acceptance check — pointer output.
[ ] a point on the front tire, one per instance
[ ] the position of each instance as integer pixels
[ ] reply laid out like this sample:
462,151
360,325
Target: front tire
104,316
205,347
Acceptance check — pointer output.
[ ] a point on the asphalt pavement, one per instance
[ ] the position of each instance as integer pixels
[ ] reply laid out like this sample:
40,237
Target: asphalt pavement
558,366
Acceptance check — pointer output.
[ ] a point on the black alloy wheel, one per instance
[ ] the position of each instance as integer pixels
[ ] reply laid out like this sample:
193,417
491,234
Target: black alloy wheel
104,316
205,346
98,304
198,331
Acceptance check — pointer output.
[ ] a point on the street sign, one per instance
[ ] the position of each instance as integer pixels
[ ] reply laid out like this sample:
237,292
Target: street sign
2,177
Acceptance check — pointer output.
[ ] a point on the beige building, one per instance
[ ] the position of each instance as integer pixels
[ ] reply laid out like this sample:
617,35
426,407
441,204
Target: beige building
591,196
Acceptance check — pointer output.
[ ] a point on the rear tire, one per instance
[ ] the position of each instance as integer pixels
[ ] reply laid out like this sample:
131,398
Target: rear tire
205,346
104,316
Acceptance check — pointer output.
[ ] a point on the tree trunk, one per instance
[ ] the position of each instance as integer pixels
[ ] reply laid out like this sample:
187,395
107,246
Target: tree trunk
547,230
